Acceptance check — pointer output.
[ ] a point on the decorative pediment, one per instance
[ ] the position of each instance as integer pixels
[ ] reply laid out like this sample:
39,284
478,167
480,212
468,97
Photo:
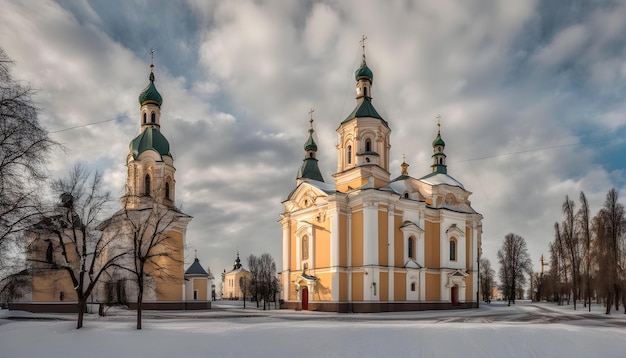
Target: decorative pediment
410,227
456,277
454,230
412,264
304,196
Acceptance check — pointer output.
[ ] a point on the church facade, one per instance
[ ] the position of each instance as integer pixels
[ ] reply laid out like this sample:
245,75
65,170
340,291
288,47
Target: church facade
148,225
364,242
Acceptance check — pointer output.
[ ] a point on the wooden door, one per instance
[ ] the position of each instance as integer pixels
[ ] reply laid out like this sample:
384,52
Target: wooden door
305,298
455,295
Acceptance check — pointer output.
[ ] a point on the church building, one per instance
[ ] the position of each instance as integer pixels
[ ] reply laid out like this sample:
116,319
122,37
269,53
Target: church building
364,242
149,225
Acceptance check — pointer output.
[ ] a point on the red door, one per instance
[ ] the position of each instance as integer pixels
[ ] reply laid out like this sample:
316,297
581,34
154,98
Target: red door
305,298
455,295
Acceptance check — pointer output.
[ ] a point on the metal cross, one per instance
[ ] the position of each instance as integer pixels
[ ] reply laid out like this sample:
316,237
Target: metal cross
363,43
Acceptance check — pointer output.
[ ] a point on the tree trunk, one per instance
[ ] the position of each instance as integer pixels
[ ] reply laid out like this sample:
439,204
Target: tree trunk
82,306
139,303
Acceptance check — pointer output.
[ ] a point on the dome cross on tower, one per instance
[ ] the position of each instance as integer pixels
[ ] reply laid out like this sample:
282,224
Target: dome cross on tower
309,168
439,157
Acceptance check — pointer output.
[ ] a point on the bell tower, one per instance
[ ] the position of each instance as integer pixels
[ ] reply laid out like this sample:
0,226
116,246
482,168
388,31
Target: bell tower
150,164
363,144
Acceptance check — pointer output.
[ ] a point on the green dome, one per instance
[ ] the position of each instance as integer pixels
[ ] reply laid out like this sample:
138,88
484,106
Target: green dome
364,71
150,93
310,144
150,139
438,141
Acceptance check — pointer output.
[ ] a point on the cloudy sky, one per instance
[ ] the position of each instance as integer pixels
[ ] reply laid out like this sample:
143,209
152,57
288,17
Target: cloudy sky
532,96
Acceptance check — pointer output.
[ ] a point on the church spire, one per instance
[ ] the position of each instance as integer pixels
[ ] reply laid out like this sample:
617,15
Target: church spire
364,77
309,168
439,158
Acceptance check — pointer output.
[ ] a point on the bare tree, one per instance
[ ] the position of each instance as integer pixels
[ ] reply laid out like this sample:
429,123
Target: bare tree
24,152
153,251
584,227
514,264
487,278
572,244
71,239
264,284
609,227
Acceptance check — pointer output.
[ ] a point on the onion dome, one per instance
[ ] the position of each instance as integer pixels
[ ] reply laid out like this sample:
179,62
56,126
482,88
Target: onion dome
150,93
364,71
438,141
150,139
310,143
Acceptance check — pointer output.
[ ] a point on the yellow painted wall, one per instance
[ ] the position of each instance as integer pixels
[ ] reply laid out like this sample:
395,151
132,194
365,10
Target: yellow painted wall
398,242
433,287
323,287
432,245
321,233
399,288
384,286
169,278
343,286
357,238
343,240
357,286
383,247
469,288
199,284
48,287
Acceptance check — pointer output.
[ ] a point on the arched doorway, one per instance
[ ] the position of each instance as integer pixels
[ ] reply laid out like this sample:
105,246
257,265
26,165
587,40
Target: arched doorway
305,298
454,294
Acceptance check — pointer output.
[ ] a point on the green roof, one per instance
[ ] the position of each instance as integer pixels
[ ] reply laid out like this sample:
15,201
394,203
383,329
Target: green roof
365,109
310,170
310,143
150,93
364,71
438,141
150,139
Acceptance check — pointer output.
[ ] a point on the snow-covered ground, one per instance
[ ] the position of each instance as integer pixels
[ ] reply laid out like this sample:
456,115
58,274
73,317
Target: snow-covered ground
523,330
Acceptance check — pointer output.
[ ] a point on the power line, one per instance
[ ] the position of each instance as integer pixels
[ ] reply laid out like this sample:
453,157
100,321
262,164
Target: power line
89,124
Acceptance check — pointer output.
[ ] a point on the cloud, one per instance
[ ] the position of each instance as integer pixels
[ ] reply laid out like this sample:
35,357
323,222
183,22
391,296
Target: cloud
530,94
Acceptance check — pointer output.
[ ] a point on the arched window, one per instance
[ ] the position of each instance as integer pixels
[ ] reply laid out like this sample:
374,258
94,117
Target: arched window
145,117
364,91
406,195
311,155
452,249
167,190
147,184
349,154
368,145
305,247
411,245
413,286
153,117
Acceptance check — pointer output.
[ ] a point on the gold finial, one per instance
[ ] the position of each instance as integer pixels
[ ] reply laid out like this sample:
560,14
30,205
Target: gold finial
311,114
438,123
151,58
196,253
404,166
363,38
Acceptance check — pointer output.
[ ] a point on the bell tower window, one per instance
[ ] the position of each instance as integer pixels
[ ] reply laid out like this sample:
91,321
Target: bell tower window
349,154
145,117
368,145
147,185
364,91
153,117
167,190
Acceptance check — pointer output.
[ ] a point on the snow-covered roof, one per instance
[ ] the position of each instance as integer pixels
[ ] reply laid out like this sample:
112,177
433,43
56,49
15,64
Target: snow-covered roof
440,178
328,188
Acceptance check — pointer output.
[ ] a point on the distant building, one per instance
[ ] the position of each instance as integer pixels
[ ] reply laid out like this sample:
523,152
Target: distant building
365,242
231,287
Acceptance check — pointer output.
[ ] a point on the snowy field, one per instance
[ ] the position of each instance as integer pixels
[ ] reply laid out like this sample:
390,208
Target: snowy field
524,330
